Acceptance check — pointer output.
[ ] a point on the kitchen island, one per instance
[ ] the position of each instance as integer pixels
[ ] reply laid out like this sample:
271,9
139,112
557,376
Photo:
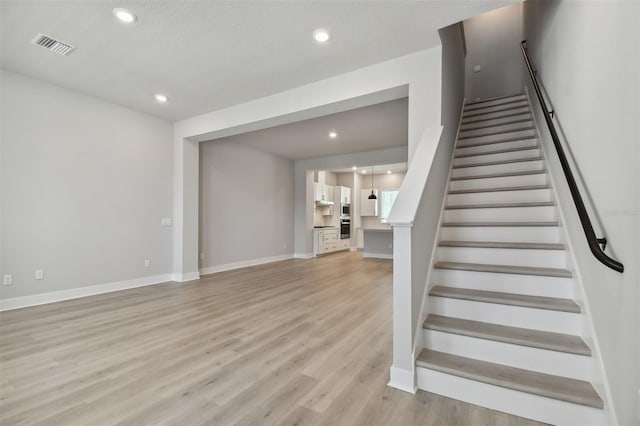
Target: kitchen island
377,243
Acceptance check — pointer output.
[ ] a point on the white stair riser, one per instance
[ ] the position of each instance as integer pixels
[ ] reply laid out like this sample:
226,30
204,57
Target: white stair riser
513,214
496,122
495,129
498,168
486,109
494,115
515,234
515,257
521,134
531,142
503,156
541,360
475,105
530,195
499,182
512,316
522,404
507,283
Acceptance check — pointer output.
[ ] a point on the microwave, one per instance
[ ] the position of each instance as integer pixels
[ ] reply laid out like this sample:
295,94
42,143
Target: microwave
345,210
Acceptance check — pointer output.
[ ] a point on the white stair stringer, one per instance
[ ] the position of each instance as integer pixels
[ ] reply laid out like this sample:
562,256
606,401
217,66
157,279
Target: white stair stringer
501,327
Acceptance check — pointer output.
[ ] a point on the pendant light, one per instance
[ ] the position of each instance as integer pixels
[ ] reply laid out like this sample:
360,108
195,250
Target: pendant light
372,196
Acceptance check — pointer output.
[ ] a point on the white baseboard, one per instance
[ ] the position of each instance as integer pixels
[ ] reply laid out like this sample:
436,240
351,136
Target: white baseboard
75,293
243,264
404,380
187,276
303,255
377,255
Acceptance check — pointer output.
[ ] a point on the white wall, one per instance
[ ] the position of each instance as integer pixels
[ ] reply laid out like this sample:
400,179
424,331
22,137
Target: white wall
417,210
493,42
384,182
416,74
303,187
85,184
246,205
587,56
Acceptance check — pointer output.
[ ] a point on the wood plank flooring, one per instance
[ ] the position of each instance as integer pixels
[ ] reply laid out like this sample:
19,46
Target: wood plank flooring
295,342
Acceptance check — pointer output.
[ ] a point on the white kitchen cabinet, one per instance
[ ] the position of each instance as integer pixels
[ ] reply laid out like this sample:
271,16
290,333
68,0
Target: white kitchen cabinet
317,192
328,240
345,195
322,192
368,207
327,193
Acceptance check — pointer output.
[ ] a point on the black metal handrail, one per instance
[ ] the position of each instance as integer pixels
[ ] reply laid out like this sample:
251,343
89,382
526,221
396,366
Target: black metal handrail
592,240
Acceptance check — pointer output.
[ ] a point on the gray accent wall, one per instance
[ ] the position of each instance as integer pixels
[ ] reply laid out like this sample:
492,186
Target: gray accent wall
246,204
85,185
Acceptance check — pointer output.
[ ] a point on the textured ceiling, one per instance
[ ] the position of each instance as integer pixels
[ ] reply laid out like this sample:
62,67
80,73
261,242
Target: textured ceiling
206,55
374,127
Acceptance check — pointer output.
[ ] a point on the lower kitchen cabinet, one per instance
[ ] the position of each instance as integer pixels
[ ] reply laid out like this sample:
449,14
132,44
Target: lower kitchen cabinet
328,240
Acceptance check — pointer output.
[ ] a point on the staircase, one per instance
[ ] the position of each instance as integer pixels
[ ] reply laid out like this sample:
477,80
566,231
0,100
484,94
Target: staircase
502,329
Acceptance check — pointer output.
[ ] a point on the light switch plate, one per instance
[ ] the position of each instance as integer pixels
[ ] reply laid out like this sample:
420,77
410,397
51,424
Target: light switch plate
166,221
477,68
39,274
7,279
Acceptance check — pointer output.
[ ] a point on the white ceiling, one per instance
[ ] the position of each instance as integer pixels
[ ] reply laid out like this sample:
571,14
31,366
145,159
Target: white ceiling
378,169
206,55
373,127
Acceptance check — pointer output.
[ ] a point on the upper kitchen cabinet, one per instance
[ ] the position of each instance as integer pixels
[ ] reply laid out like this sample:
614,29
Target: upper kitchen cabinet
345,195
368,207
322,192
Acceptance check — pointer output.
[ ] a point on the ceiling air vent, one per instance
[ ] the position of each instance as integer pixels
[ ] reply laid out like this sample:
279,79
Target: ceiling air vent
53,45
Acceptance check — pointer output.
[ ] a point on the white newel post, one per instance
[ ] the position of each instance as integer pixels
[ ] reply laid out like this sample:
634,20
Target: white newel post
402,374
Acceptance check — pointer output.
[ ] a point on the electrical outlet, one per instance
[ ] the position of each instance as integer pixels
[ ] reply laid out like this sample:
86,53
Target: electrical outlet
391,246
147,262
7,279
201,256
39,274
284,245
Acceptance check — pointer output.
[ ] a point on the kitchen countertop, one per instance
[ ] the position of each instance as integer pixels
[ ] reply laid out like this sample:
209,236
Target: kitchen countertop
377,229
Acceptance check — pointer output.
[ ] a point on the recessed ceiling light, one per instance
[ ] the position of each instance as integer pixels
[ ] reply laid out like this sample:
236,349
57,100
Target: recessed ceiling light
161,98
388,172
333,135
364,171
321,35
125,15
354,168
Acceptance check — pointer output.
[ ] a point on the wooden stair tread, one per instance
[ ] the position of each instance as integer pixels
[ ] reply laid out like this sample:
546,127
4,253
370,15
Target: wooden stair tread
499,151
502,132
502,205
547,385
497,98
516,139
502,245
500,189
505,269
505,114
513,299
515,335
500,175
505,123
499,162
495,108
497,224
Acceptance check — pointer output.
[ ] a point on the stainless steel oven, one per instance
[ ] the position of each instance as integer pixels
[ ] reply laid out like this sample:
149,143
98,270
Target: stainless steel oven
345,229
345,210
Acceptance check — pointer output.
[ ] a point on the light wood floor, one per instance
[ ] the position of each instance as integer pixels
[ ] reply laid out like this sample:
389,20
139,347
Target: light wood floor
294,342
